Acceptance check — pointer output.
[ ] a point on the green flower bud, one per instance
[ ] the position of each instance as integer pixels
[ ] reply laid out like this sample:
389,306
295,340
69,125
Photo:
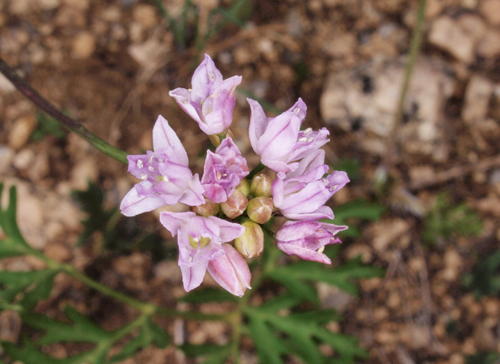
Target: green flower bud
261,185
244,187
251,243
209,208
235,205
260,209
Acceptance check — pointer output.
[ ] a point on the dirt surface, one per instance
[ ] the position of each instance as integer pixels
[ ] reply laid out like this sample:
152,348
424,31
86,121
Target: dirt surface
110,65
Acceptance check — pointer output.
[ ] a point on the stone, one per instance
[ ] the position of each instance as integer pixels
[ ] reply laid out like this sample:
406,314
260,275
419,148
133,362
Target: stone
78,4
362,250
6,86
21,131
145,15
385,232
112,13
6,156
452,265
20,7
490,9
83,45
84,171
448,35
332,297
477,99
473,25
49,4
489,45
23,159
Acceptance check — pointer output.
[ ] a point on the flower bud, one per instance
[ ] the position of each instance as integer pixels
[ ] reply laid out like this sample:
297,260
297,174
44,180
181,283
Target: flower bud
230,271
261,185
209,208
251,243
235,204
244,187
260,209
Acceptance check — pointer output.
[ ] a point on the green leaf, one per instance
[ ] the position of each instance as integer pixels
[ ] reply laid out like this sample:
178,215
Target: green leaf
268,346
28,354
91,201
359,209
318,316
149,333
341,276
47,126
484,279
14,245
299,289
483,358
208,295
280,332
351,166
284,301
26,288
80,330
446,219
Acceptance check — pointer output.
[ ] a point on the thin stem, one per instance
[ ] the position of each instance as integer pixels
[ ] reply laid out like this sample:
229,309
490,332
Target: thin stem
237,318
145,308
236,333
415,46
66,121
256,170
141,306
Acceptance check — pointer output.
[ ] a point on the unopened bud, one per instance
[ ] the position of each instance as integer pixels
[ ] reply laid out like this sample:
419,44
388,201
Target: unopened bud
260,209
209,208
261,186
235,205
230,271
251,243
244,187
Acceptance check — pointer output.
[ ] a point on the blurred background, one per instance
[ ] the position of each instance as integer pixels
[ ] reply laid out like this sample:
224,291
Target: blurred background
426,183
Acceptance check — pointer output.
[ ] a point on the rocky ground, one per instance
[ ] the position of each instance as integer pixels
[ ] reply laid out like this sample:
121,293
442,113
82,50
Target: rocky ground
110,65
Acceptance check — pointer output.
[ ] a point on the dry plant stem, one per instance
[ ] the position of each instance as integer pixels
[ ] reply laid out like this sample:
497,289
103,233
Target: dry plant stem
415,46
50,109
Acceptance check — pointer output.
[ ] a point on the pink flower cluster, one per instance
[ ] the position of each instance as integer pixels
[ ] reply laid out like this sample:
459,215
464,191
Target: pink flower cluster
208,239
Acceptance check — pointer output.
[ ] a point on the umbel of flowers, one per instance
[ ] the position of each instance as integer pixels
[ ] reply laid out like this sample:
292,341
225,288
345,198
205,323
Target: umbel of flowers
223,228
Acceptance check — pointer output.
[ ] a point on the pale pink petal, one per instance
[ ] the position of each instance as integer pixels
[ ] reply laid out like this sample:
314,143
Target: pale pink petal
134,204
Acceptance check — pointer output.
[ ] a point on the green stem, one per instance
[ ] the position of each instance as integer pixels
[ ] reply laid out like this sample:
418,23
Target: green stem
141,306
237,318
256,170
145,308
236,333
415,46
66,121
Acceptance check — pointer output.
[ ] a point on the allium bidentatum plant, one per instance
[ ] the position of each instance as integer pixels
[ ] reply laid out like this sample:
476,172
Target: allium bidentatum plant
225,226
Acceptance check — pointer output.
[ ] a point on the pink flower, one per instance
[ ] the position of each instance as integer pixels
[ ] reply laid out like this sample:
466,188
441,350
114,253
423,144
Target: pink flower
279,141
223,171
230,271
307,239
301,194
200,241
211,100
166,177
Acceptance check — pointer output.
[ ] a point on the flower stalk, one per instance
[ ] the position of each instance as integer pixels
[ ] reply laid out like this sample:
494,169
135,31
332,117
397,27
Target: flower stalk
66,121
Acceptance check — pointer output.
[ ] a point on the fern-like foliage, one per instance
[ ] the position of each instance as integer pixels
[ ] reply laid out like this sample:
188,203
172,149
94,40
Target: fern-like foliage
22,291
